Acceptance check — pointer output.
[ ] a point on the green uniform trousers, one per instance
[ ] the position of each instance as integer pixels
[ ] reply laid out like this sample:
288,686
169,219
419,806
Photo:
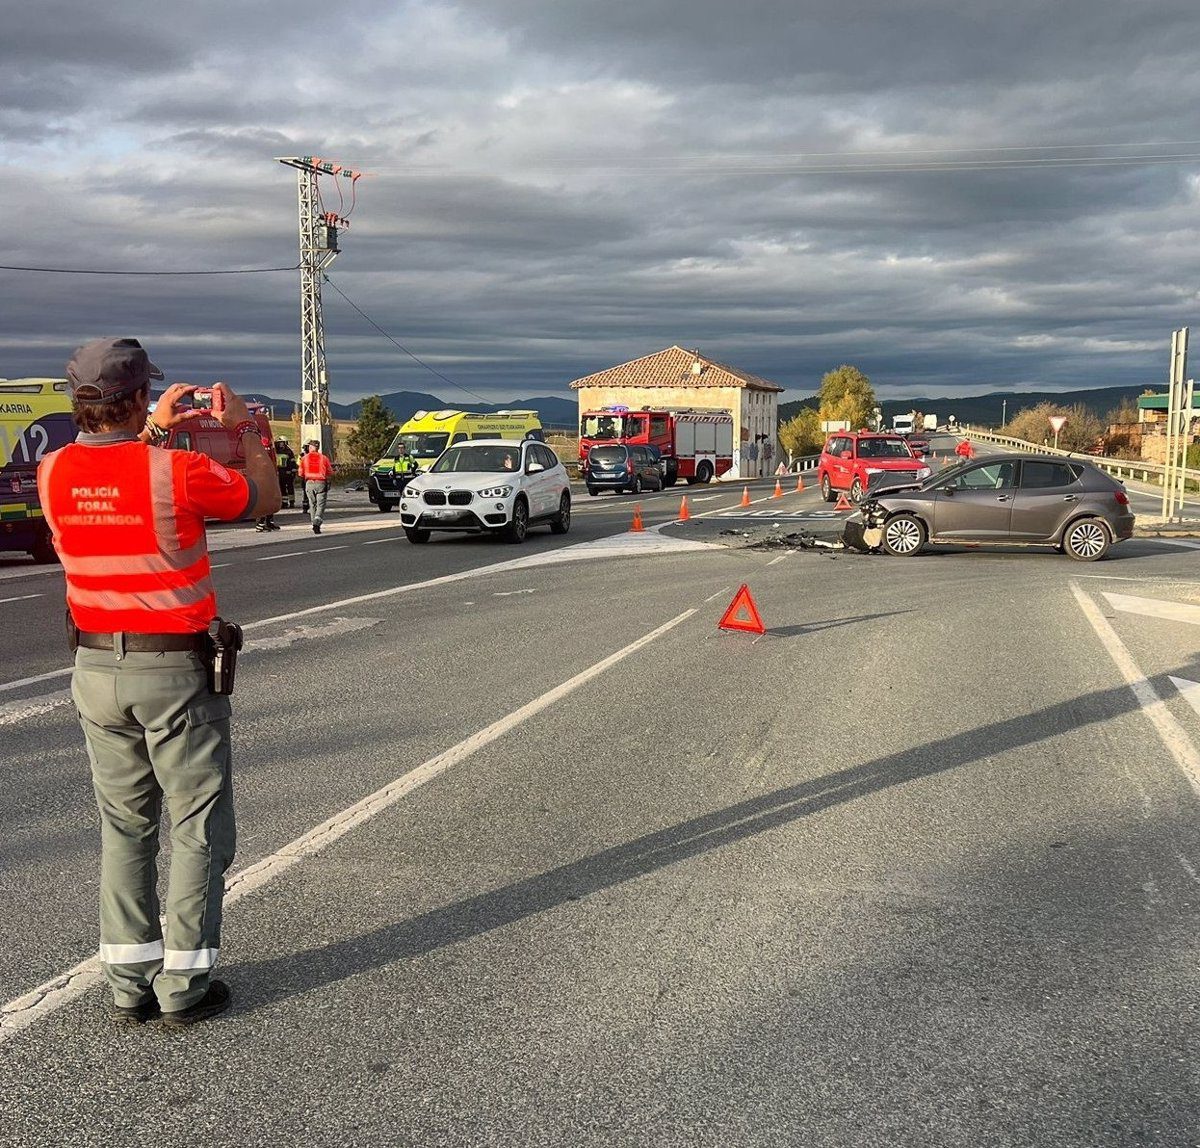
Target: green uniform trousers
154,731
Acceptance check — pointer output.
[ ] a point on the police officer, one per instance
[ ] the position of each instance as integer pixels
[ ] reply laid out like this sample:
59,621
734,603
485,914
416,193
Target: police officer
128,524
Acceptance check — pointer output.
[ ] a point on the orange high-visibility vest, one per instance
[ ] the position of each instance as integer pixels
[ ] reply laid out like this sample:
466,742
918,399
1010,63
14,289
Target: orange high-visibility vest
128,524
315,467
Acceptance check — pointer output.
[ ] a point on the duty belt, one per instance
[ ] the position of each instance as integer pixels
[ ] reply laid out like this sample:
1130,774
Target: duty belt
146,643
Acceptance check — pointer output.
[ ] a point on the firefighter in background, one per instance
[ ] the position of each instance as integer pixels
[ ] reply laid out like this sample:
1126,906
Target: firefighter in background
964,450
285,464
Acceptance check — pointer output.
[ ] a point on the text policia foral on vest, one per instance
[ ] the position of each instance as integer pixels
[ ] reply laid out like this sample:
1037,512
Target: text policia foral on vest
127,520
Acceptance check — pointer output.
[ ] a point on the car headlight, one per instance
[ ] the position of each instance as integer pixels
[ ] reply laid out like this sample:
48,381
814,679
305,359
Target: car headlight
924,473
411,495
496,492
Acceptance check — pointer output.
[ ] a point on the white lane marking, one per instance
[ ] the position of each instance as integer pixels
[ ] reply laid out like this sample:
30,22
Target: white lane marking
19,1014
380,541
289,554
330,629
327,549
723,590
1189,690
219,565
4,686
1154,608
13,712
781,558
627,545
510,593
1173,735
20,598
707,498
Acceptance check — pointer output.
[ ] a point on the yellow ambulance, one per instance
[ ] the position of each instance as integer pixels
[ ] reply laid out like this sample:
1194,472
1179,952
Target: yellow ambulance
35,418
422,439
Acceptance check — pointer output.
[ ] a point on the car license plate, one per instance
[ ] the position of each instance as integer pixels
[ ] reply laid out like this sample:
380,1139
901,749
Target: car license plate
437,513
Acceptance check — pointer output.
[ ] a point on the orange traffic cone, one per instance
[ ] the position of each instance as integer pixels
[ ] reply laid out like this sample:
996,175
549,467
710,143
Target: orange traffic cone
843,503
637,519
685,515
799,484
745,496
778,490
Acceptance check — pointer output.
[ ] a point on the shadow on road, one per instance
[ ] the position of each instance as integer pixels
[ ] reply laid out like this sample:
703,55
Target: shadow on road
277,978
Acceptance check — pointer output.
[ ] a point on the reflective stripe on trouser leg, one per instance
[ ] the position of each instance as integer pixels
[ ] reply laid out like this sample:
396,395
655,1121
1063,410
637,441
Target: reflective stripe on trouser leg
318,494
128,799
195,774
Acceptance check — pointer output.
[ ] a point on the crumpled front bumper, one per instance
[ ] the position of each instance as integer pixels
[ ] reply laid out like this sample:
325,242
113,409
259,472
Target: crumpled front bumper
859,534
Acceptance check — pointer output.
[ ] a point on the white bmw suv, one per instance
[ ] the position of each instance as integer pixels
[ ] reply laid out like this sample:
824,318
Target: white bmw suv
492,486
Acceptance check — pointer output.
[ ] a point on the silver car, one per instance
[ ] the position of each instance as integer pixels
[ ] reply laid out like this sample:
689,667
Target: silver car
1009,499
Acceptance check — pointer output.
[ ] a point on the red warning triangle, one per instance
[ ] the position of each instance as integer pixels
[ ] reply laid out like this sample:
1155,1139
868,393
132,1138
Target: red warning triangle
742,602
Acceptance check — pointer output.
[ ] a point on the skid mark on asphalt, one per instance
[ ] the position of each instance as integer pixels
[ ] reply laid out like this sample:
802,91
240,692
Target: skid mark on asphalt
331,629
13,712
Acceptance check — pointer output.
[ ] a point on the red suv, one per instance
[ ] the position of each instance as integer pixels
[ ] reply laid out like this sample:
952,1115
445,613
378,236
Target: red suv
855,460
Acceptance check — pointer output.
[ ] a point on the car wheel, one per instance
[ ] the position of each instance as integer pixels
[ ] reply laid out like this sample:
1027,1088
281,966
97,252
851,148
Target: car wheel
903,536
383,506
636,485
516,530
416,536
592,491
826,488
856,491
561,522
704,472
1087,540
672,476
43,548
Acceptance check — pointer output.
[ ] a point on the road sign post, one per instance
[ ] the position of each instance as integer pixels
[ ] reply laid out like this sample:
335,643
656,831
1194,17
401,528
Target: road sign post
1057,422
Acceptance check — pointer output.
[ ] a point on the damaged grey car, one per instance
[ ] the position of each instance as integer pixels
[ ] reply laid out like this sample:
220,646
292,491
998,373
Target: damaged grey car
1010,500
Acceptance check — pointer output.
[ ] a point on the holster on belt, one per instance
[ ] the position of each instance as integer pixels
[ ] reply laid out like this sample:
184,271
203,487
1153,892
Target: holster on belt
224,642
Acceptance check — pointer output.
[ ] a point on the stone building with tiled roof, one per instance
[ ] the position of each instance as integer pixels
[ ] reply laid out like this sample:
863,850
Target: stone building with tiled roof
677,378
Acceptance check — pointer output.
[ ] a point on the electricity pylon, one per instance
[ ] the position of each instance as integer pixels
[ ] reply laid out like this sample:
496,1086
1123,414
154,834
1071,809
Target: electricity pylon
318,248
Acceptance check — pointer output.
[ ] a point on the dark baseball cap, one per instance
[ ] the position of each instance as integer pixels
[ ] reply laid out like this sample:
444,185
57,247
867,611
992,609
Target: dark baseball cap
106,369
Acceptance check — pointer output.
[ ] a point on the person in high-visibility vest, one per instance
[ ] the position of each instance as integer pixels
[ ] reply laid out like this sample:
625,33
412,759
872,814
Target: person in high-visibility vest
285,463
316,470
127,520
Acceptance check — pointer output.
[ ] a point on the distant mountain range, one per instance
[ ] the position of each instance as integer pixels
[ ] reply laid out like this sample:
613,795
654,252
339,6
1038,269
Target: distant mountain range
554,412
985,410
989,409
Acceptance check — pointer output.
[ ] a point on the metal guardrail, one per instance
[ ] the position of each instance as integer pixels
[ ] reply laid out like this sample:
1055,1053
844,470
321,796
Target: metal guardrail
1149,472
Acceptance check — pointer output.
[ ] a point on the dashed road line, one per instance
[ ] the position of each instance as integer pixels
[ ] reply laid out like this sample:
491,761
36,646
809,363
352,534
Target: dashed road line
20,598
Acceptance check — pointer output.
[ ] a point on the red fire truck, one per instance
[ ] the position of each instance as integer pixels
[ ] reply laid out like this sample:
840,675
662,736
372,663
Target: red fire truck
696,445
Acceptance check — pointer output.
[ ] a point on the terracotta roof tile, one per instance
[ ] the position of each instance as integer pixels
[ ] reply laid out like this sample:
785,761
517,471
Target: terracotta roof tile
674,368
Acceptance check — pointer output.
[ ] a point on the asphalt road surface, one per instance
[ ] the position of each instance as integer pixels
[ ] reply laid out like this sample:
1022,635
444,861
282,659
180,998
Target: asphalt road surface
531,853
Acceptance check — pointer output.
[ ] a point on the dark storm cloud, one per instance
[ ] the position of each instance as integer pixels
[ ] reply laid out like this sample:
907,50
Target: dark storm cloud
557,187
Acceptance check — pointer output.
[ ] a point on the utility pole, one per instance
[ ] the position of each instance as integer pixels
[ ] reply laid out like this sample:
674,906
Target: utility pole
1179,413
318,248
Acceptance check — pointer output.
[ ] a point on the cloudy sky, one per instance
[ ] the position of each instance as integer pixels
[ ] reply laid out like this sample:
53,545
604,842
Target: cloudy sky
954,197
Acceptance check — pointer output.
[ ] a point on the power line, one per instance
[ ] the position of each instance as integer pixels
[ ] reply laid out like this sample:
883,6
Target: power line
400,346
94,271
